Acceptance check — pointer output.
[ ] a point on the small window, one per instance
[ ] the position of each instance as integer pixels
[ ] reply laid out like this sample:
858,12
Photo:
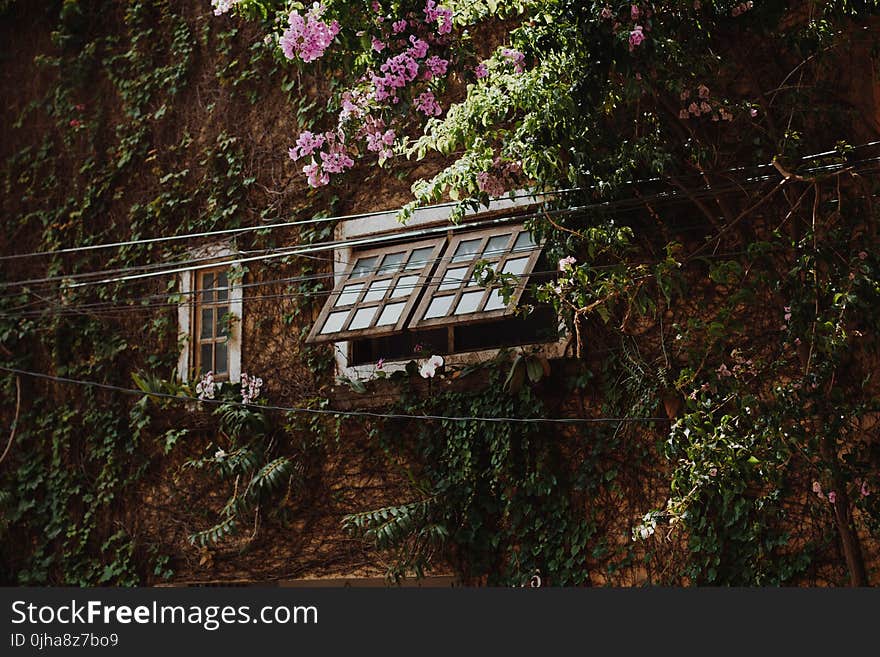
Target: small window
212,323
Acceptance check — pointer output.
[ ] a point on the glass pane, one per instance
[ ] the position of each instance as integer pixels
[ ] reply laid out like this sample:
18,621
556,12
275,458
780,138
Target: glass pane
221,358
419,258
495,301
207,285
349,294
364,266
439,307
524,242
392,262
335,322
467,250
390,314
453,278
362,318
206,357
207,323
222,284
469,302
516,266
377,290
496,246
406,285
222,321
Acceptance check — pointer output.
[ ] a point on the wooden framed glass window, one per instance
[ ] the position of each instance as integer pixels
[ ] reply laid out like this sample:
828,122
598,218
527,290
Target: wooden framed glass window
377,292
455,295
211,323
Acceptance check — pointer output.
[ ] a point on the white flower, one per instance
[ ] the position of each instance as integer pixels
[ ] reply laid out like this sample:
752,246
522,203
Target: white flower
566,264
220,455
206,387
428,368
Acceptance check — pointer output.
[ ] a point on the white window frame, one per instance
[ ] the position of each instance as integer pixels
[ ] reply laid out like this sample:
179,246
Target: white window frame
386,223
185,315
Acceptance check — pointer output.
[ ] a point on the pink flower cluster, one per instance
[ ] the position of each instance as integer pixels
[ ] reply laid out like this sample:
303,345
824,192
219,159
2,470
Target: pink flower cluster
741,8
481,71
309,36
398,71
427,104
436,66
306,144
406,44
334,159
380,142
518,59
500,177
636,37
701,105
441,15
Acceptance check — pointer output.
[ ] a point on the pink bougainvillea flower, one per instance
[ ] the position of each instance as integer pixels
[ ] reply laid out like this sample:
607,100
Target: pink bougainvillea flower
490,184
419,47
398,26
832,497
864,490
634,12
441,15
315,176
306,144
481,71
377,45
636,37
518,59
817,487
308,36
427,104
436,65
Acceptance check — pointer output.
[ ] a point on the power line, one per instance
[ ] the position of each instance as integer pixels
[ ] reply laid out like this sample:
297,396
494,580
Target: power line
110,307
248,229
331,412
318,220
156,269
622,204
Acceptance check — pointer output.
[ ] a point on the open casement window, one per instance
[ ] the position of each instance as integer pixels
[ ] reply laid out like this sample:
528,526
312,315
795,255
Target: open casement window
211,323
456,296
377,292
391,298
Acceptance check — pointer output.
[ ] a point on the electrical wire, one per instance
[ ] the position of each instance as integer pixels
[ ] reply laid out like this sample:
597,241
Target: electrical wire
267,254
331,412
620,205
137,303
318,220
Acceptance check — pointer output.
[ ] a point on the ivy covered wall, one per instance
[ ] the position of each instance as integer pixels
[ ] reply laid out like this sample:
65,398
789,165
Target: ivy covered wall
719,398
